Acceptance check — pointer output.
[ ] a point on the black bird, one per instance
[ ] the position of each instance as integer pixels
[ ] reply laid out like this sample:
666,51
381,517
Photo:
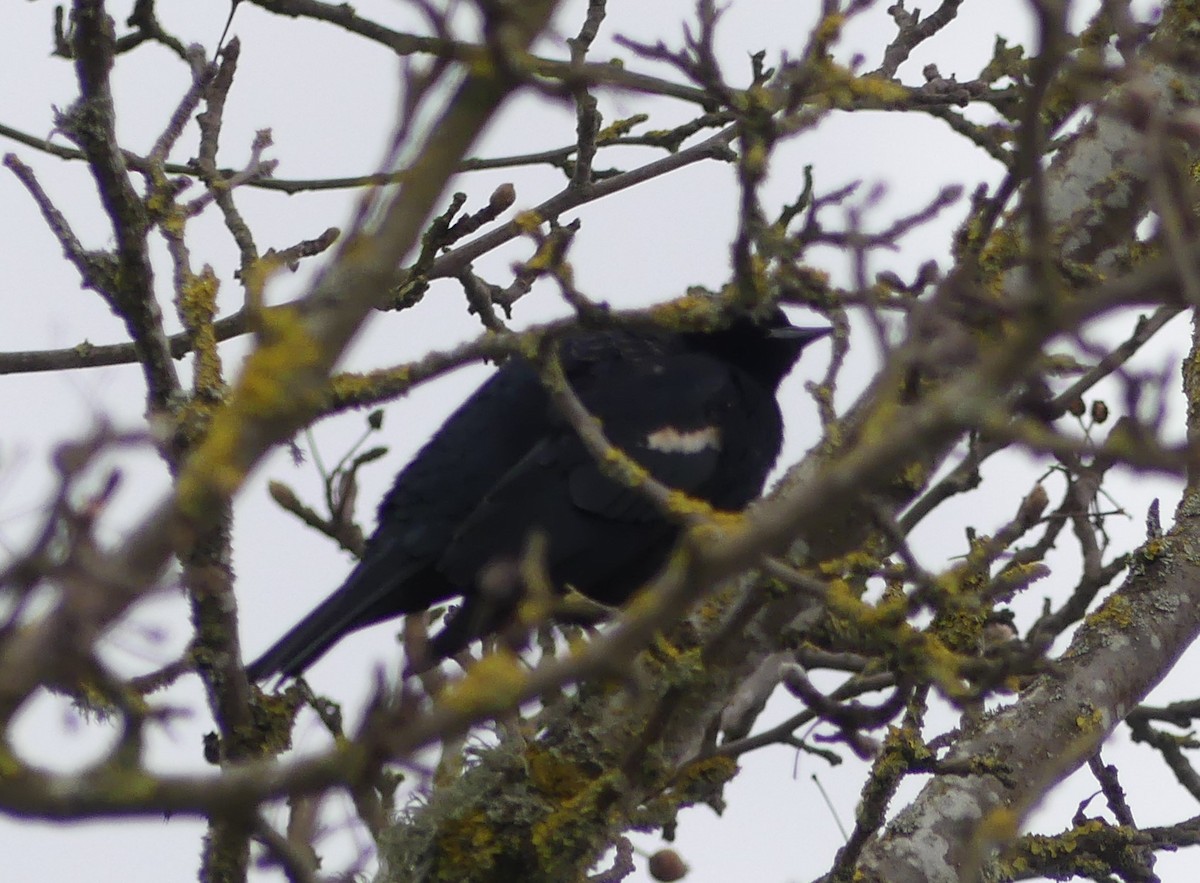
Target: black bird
697,410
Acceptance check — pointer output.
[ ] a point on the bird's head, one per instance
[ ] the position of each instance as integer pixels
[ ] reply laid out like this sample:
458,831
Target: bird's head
766,346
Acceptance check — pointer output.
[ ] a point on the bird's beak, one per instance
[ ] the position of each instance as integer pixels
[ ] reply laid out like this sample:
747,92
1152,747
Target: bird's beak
802,336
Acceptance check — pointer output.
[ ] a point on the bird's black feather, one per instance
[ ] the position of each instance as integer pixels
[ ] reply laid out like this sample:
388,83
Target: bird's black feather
698,411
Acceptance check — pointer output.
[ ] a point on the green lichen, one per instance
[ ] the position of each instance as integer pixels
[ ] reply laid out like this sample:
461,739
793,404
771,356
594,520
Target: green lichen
697,783
357,388
673,665
197,305
959,627
1091,849
555,776
273,716
902,750
837,87
697,311
1154,549
618,128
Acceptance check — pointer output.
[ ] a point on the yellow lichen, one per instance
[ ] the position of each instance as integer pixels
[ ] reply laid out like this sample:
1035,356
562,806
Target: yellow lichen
555,776
1154,548
1090,719
275,384
528,221
1116,611
467,848
491,685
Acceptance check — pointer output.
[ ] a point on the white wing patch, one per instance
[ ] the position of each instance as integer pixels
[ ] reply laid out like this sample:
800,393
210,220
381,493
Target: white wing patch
670,440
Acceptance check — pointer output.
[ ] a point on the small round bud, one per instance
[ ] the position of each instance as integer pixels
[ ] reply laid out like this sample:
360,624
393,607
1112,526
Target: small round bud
502,197
283,495
666,865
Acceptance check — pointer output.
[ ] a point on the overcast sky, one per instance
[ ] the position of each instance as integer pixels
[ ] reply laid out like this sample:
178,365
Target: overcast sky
330,100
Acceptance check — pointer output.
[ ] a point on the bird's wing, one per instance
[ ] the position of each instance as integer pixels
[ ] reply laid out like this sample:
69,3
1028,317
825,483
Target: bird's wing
669,420
601,536
491,433
666,419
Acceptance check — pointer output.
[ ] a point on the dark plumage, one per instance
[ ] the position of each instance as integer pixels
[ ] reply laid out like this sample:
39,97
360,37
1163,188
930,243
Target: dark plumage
697,410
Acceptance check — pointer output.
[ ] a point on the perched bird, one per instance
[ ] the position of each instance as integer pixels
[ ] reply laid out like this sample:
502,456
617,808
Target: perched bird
697,410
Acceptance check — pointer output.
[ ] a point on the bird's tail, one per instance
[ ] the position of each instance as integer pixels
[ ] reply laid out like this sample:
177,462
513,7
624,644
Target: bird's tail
307,642
372,592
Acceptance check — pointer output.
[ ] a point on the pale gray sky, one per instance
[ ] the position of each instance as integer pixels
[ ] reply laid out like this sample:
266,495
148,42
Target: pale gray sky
330,100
